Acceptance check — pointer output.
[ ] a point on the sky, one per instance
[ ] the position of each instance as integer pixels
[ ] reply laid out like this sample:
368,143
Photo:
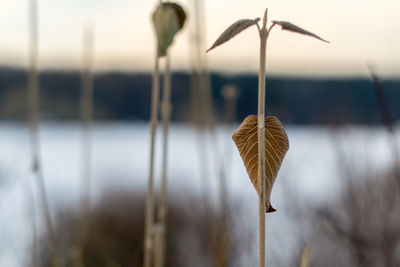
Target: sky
360,32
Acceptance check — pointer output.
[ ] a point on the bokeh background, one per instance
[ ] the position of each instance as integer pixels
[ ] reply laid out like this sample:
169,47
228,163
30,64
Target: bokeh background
337,193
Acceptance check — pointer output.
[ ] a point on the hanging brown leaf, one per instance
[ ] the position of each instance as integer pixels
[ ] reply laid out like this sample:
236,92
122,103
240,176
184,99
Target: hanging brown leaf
276,146
293,28
233,30
167,23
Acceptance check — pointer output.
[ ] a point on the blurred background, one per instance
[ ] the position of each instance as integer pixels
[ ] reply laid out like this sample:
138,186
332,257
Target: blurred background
337,193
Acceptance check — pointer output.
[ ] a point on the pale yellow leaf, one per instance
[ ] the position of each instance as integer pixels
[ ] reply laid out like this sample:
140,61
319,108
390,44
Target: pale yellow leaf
293,28
276,146
233,30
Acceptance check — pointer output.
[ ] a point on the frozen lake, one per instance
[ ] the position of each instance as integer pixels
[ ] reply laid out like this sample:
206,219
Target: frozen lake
120,152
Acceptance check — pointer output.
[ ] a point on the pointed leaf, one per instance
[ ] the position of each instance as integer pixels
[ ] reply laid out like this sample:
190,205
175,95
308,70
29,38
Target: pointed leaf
171,20
276,146
293,28
233,30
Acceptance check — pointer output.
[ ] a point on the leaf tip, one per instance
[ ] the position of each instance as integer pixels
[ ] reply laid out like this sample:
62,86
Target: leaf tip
265,17
234,30
286,25
270,209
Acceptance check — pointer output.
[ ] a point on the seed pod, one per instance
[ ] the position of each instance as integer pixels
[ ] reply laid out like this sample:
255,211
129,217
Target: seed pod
167,24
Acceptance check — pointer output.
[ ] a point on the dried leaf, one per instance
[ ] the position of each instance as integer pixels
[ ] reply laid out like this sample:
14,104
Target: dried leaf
293,28
233,30
171,20
276,146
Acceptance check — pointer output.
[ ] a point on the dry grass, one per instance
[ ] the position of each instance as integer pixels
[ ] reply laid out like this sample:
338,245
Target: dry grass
116,233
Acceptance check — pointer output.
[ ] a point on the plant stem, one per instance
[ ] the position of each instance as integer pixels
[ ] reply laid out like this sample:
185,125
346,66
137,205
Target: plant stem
387,120
202,112
148,241
261,143
162,207
32,217
34,125
305,257
86,124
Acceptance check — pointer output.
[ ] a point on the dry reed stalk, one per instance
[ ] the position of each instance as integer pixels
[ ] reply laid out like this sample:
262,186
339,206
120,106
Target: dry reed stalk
33,84
32,215
305,257
202,115
387,121
221,238
86,141
162,205
149,220
261,143
204,120
168,19
150,187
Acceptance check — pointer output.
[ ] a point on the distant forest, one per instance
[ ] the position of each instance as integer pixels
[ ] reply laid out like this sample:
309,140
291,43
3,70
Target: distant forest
123,96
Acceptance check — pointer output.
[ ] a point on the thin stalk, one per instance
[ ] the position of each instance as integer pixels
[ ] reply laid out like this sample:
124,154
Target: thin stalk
220,234
217,227
150,186
221,228
149,213
86,143
305,257
34,128
261,142
387,120
202,116
162,205
230,96
198,35
32,218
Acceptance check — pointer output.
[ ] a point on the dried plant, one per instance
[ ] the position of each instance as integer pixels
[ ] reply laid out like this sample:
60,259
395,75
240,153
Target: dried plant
276,146
86,142
387,121
168,19
246,132
305,257
116,232
33,87
204,121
